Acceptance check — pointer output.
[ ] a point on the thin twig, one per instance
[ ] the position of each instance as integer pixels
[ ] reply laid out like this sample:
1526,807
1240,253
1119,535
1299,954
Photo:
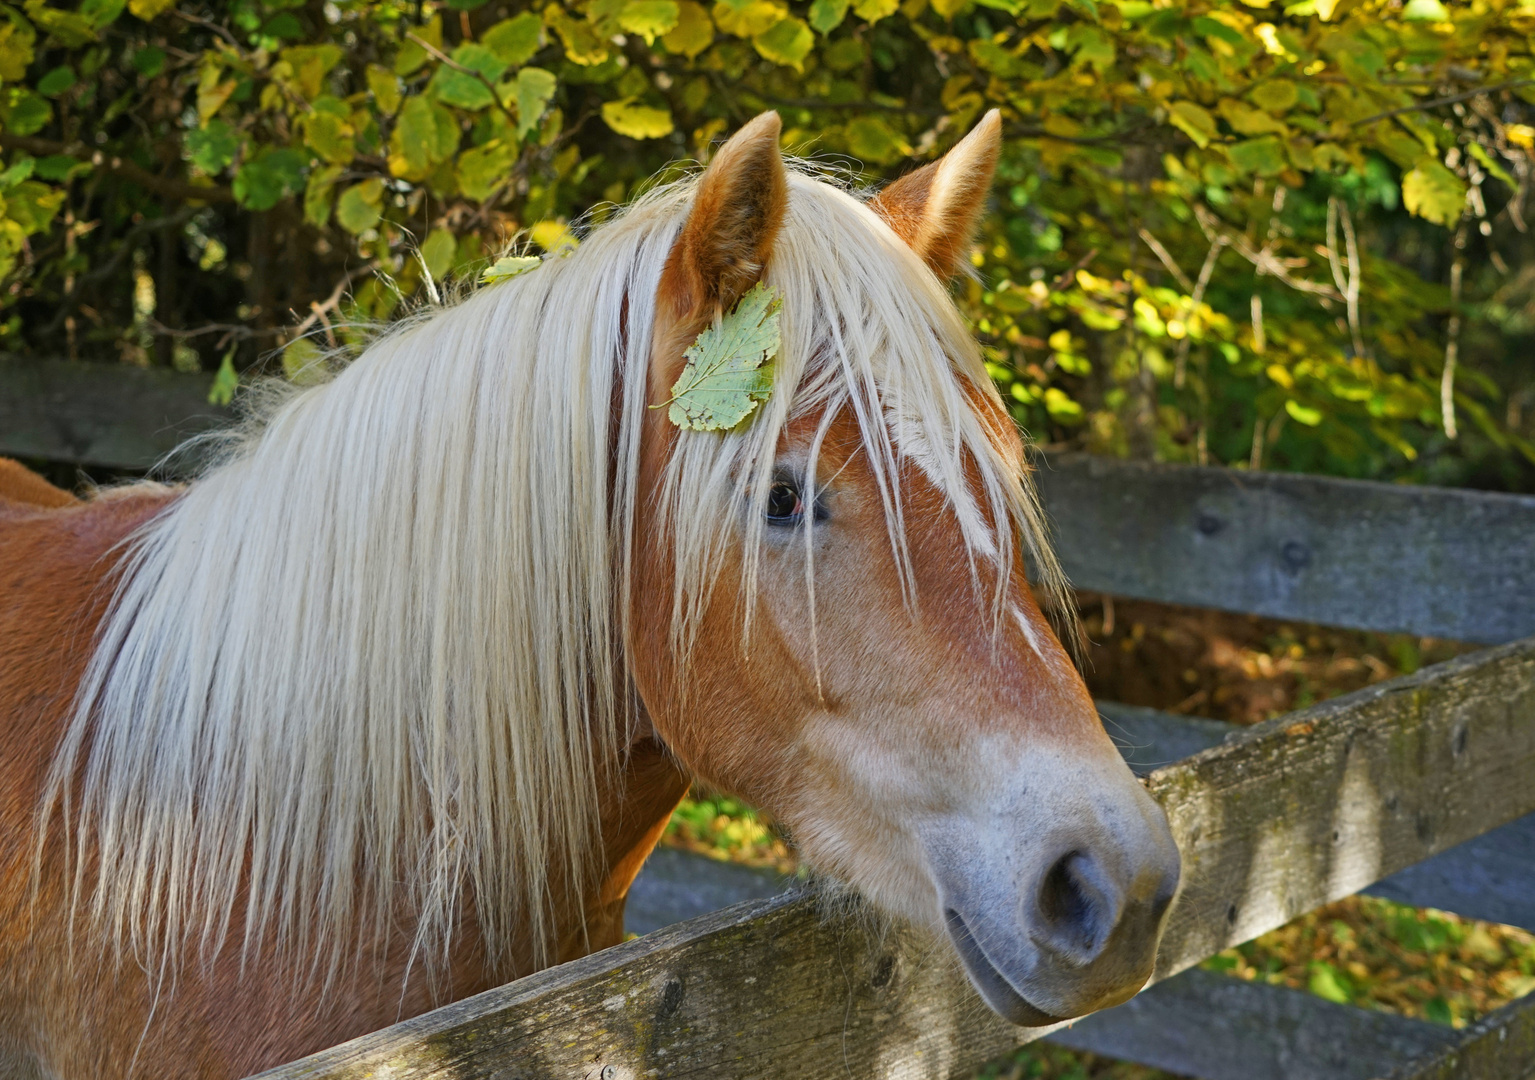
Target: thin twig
1263,259
1195,299
1452,335
1451,100
1167,260
319,311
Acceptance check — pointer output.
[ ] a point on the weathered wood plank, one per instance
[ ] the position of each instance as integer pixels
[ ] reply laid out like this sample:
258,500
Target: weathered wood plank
1219,1028
1317,805
1435,561
1489,877
114,415
1500,1046
1285,817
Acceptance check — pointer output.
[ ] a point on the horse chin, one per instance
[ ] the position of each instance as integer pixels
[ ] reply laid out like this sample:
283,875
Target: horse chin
993,986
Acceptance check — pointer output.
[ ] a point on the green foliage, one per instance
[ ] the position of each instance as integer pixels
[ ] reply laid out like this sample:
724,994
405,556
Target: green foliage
729,368
1227,230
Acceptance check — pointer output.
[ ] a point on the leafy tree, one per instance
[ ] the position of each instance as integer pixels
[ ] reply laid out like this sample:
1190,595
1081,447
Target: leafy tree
1228,231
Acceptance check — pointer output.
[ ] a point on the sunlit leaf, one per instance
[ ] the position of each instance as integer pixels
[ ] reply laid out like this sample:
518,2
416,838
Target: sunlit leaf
1434,193
727,371
628,117
515,40
360,206
510,266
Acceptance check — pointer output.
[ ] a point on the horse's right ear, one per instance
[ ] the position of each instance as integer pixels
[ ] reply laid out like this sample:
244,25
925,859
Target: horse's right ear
728,237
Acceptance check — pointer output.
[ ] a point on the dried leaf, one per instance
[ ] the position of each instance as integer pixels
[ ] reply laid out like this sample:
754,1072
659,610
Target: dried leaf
728,371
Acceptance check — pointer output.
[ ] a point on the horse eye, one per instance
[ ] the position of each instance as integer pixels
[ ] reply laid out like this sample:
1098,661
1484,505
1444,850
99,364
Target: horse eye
784,506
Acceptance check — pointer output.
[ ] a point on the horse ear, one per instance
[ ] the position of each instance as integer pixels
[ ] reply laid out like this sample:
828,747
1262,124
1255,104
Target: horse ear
936,208
728,237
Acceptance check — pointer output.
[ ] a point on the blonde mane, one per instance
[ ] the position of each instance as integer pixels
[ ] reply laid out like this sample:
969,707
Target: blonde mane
372,664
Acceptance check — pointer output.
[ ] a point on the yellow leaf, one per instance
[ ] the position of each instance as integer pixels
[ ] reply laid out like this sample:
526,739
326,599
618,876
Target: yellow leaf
1193,121
149,9
875,10
554,237
694,31
1434,193
1246,120
1521,135
649,18
582,45
750,19
636,121
386,89
787,43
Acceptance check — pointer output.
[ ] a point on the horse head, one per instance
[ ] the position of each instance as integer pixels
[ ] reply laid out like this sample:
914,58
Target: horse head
830,613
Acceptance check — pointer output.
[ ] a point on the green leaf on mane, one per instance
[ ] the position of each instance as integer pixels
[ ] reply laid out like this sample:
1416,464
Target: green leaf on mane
728,371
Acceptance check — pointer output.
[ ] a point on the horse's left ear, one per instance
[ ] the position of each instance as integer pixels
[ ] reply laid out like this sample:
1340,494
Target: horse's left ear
936,208
737,212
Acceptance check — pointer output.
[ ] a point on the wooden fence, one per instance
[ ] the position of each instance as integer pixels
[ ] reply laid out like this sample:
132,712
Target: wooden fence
1418,788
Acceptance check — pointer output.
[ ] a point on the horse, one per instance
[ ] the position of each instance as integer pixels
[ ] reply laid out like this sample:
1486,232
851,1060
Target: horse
389,705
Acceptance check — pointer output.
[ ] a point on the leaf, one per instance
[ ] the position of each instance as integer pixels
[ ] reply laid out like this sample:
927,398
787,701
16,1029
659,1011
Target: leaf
330,136
510,266
827,15
149,61
694,31
411,55
263,181
1303,414
482,169
1193,121
787,43
437,252
424,134
875,10
1275,95
515,40
360,206
1246,120
468,91
148,10
211,92
32,205
385,85
303,363
727,371
535,88
749,19
16,52
636,121
212,148
225,382
870,138
1434,193
554,237
56,81
1426,11
582,45
649,18
317,194
1263,157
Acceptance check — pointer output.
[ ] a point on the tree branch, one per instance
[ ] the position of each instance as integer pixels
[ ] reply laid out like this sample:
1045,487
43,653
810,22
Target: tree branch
1451,100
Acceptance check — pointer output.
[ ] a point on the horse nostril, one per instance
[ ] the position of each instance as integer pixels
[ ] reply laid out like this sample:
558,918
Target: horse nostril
1075,915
